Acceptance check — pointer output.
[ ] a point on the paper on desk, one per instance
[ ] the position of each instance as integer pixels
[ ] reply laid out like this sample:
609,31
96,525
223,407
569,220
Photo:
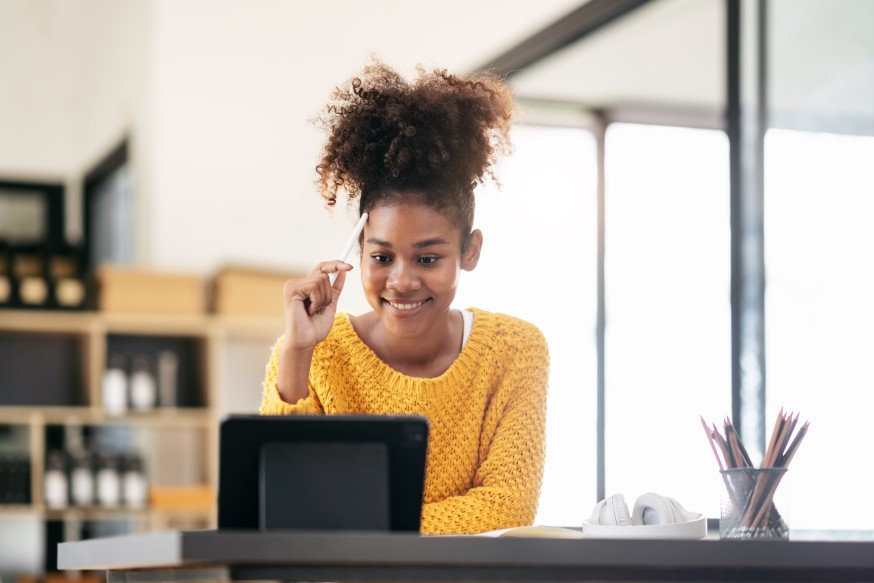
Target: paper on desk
534,532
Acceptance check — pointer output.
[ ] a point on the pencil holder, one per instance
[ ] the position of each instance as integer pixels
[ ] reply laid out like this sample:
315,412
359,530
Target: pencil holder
747,508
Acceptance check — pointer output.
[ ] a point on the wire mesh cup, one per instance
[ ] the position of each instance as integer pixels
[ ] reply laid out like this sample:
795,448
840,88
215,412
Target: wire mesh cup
747,508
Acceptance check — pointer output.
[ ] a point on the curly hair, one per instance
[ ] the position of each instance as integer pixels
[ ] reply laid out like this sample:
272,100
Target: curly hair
434,138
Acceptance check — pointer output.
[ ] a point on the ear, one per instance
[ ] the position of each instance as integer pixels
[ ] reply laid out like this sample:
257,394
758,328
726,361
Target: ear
472,248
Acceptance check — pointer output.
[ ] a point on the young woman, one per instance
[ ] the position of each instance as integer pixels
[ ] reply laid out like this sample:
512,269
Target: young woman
412,153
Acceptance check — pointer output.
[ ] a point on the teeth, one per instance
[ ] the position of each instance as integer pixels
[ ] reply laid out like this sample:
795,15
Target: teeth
406,306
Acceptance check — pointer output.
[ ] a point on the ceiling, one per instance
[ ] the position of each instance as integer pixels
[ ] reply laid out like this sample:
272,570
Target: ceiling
670,56
667,54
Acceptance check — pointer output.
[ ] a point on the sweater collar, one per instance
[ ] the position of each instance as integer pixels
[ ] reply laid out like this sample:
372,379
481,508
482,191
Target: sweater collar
469,359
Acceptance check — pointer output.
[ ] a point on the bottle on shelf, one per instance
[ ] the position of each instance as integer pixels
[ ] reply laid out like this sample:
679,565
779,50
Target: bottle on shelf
115,386
168,367
55,494
134,485
82,480
29,277
143,390
14,478
67,277
108,480
5,275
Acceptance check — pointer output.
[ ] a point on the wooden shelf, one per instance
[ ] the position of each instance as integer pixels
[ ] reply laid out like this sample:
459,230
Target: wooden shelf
108,513
121,512
26,415
59,322
161,417
154,430
177,443
155,324
242,327
56,322
15,509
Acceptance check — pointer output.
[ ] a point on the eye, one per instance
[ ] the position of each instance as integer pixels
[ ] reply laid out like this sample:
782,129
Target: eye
379,258
428,260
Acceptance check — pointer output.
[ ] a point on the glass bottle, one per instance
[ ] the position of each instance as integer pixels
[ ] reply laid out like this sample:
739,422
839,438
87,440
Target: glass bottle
82,480
168,368
55,478
108,480
115,386
143,389
134,485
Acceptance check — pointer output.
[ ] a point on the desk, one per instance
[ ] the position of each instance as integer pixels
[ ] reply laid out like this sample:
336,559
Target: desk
297,556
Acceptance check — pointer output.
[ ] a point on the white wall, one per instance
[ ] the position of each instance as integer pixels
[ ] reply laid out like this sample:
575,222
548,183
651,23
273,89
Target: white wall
216,97
36,89
113,42
235,87
73,82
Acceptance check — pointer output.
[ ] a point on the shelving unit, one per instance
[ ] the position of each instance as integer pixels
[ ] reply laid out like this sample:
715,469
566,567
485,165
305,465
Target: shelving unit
179,443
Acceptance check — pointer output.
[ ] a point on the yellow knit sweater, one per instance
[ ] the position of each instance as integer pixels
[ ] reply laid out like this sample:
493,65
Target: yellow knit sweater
487,416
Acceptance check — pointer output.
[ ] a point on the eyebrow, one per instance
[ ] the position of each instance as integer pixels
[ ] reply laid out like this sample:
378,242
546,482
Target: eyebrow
417,245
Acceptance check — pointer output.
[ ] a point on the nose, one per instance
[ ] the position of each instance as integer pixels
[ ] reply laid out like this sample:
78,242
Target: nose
403,278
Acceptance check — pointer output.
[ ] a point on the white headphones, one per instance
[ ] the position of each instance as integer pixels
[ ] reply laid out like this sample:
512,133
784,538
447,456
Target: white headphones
653,516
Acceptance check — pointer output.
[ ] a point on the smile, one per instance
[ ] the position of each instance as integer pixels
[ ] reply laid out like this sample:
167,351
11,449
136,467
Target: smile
405,306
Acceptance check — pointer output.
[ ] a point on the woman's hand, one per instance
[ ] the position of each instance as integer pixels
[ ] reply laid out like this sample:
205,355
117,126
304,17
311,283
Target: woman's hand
310,306
311,303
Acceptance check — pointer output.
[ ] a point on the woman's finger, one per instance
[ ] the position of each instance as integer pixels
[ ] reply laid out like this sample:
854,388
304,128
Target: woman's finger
337,287
325,296
329,267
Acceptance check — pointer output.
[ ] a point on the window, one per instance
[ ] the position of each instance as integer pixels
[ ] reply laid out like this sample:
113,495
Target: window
820,317
668,320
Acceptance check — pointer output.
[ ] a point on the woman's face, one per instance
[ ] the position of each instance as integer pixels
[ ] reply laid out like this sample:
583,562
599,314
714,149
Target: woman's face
411,257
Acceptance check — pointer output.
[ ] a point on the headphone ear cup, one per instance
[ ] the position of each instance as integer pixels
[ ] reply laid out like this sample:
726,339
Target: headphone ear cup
652,508
611,511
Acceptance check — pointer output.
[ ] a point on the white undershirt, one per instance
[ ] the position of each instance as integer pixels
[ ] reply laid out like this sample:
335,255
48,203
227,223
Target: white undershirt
467,325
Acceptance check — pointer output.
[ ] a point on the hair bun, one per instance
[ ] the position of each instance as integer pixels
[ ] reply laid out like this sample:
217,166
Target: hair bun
439,134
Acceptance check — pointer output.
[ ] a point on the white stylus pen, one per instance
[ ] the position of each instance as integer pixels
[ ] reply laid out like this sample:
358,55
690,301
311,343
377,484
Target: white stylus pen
351,243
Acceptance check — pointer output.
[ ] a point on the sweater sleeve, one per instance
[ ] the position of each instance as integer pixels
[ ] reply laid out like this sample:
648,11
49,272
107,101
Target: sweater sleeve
271,400
507,483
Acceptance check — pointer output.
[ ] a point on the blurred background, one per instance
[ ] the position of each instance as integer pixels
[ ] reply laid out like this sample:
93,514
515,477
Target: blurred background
692,182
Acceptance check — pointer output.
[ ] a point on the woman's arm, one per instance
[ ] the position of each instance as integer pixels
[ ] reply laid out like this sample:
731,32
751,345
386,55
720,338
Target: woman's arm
310,305
272,402
507,483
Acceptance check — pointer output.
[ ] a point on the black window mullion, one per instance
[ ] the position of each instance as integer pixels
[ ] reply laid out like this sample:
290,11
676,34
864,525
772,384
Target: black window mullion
746,124
600,132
